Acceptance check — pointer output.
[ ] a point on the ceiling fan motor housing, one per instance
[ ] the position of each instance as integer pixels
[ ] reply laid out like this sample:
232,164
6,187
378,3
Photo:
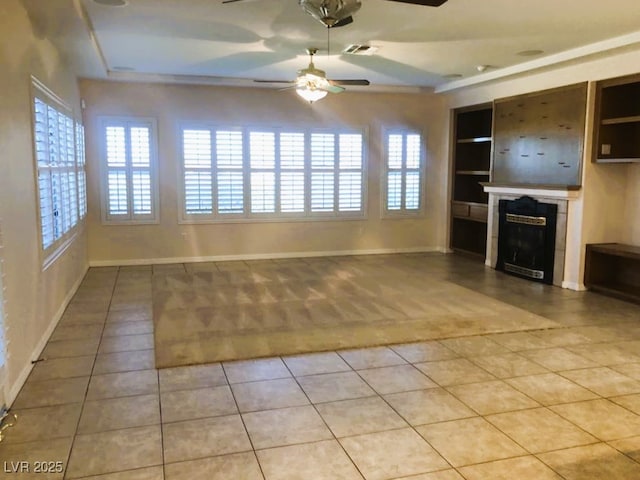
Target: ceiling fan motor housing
330,12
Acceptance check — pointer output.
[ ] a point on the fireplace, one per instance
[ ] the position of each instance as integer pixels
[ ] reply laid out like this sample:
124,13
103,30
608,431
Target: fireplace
527,238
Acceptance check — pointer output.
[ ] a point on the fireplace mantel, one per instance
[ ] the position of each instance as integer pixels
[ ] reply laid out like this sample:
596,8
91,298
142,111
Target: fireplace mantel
564,192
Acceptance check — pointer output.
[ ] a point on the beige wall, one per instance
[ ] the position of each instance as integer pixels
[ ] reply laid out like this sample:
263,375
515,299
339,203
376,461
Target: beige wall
609,205
172,104
33,298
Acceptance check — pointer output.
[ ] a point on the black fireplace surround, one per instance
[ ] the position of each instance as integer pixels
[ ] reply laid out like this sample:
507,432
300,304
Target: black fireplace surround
527,238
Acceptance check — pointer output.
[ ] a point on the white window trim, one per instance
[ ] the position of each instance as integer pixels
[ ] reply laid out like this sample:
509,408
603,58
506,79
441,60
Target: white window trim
49,255
126,121
247,217
402,212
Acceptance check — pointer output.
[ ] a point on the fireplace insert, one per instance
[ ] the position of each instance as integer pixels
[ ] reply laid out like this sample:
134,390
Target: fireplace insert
527,238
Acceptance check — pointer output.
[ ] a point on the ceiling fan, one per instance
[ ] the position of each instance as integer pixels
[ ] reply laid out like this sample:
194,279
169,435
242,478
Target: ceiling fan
338,13
312,83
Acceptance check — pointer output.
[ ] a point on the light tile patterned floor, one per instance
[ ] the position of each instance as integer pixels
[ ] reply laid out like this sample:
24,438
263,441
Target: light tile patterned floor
546,404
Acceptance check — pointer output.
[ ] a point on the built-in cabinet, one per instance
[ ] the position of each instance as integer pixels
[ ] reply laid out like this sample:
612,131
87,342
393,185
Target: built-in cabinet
471,168
617,120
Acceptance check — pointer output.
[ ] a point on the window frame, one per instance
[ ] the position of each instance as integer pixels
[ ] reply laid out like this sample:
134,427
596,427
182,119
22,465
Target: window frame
50,253
278,216
402,212
131,217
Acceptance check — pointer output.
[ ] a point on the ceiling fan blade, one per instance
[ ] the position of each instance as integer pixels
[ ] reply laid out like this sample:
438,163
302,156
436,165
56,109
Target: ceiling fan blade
273,81
231,1
333,89
351,82
425,3
341,23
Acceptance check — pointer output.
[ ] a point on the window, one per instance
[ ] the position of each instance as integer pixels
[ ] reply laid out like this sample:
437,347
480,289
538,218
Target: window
129,164
59,158
270,174
404,177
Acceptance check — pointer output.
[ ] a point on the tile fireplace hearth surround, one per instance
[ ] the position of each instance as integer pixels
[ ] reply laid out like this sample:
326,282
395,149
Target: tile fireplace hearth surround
568,215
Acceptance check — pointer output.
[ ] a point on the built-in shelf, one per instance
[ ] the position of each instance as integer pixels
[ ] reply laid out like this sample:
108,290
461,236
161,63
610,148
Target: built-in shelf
474,140
613,269
620,120
471,219
617,120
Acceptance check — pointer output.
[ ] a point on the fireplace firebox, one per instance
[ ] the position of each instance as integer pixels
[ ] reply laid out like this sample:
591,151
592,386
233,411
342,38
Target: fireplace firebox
526,238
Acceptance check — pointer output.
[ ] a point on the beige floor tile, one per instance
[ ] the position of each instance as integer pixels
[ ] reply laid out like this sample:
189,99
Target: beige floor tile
605,354
556,359
51,392
194,376
424,352
601,418
119,413
124,362
540,430
603,381
332,387
428,406
83,318
253,370
148,473
449,474
630,402
70,348
42,451
454,372
44,423
114,451
551,389
168,269
204,438
126,343
474,346
562,336
123,384
316,363
400,378
468,441
285,426
318,461
628,446
591,462
199,403
629,369
362,358
76,332
139,313
359,416
240,466
519,341
268,394
492,397
392,454
55,368
128,328
508,365
522,468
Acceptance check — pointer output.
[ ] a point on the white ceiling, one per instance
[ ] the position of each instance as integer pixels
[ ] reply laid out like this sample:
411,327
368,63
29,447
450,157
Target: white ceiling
206,41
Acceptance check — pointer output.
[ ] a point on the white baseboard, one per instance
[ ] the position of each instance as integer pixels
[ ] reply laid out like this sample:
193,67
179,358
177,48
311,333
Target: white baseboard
13,390
258,256
578,287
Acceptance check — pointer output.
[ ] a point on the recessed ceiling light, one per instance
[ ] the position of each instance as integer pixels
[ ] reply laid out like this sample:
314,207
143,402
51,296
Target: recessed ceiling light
453,75
530,53
112,3
123,69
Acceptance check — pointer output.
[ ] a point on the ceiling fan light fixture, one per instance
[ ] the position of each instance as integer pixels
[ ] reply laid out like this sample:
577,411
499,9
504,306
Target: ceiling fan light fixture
330,12
311,94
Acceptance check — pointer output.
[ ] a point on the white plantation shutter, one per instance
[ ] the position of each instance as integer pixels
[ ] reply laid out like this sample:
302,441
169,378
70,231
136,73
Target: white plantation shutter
269,173
292,172
230,172
54,137
81,170
198,184
404,173
129,162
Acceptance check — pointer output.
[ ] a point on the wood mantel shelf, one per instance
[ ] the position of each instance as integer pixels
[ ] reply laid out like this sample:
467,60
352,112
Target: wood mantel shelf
568,192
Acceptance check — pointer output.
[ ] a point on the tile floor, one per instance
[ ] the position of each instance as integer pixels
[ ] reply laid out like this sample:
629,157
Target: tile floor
545,404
